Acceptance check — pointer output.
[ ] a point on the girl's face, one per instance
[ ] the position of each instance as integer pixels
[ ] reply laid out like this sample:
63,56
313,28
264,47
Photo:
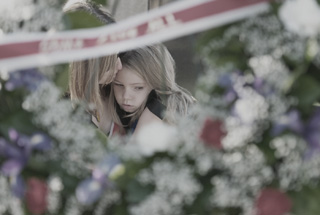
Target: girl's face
130,90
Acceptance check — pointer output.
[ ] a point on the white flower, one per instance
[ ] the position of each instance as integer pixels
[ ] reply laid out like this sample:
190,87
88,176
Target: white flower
255,103
301,16
155,137
271,70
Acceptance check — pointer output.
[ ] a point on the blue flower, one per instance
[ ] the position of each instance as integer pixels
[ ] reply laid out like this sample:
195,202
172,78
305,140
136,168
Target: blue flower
312,133
290,121
90,190
105,167
17,186
226,82
28,78
17,152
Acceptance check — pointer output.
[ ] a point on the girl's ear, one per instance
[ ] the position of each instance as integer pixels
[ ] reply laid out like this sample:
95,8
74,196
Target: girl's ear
119,64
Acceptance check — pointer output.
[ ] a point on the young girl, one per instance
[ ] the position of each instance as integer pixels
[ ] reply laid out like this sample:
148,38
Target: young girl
86,78
86,81
145,91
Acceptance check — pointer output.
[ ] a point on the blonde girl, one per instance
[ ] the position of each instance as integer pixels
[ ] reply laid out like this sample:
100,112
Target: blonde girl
145,90
86,81
87,77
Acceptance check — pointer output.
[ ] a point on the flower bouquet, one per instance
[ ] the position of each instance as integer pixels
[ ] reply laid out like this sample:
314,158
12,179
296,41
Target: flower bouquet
249,147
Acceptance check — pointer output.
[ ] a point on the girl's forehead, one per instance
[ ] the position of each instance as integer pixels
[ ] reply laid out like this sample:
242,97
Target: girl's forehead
129,76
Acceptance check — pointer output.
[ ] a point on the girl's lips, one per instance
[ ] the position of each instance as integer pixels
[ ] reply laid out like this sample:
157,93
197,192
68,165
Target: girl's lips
127,107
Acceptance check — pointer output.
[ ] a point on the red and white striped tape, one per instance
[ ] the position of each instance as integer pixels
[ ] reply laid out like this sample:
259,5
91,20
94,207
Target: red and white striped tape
19,51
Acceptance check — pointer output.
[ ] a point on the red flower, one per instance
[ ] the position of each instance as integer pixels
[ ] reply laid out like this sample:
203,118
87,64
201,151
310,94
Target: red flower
36,196
272,202
212,133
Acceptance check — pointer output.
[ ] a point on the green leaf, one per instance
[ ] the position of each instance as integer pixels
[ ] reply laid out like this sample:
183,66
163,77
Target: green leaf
81,19
102,2
62,77
137,192
202,204
306,201
20,120
307,91
12,115
101,137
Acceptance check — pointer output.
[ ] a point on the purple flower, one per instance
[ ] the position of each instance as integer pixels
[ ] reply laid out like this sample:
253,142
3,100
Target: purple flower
17,152
291,121
13,135
226,82
104,168
9,150
12,167
312,134
28,78
264,88
89,191
17,186
260,86
40,141
230,95
19,140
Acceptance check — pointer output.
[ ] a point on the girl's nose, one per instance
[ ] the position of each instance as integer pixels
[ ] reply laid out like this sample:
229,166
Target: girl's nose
126,94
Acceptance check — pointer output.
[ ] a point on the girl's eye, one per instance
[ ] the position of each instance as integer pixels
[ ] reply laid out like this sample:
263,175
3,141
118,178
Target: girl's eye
138,88
118,85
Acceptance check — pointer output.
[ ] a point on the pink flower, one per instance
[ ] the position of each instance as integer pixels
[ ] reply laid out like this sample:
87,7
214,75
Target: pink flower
212,133
272,202
36,196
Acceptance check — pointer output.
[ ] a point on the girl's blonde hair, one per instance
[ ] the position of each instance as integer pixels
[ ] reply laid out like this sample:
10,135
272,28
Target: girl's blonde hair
156,66
84,80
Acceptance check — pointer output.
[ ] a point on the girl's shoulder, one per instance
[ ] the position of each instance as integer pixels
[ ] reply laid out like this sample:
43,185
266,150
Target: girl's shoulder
147,117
